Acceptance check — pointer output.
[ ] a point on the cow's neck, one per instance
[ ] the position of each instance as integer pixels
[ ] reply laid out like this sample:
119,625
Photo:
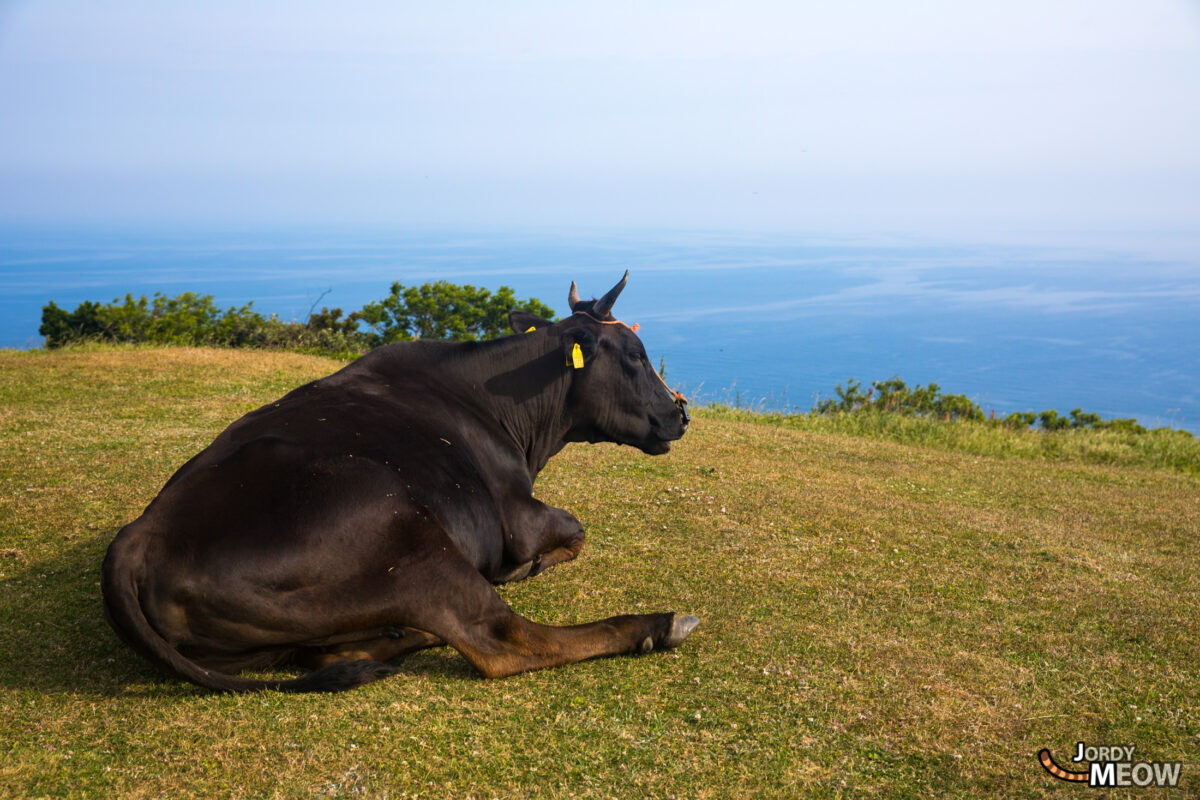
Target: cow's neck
523,381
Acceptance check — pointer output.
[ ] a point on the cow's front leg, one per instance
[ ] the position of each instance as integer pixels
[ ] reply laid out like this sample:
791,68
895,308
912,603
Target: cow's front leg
536,539
456,604
562,544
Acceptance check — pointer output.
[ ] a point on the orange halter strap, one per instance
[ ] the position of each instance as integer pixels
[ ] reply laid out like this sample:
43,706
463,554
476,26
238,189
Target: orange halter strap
680,400
634,327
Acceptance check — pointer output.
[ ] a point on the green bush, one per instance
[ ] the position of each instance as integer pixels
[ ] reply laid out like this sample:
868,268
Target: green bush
896,397
440,310
443,310
188,319
62,327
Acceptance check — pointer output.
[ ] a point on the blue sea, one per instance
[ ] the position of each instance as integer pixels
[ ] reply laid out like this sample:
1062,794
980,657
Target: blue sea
764,321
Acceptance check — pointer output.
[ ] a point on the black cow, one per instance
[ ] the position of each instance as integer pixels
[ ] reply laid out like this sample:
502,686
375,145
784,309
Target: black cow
367,514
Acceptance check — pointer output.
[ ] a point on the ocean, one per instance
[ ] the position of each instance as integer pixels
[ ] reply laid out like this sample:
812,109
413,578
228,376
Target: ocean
762,321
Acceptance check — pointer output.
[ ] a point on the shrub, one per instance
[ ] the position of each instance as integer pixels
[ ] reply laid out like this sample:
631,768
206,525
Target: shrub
61,327
894,396
443,310
440,310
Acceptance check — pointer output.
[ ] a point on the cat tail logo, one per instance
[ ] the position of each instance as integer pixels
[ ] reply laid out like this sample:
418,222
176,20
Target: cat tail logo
1057,771
1109,766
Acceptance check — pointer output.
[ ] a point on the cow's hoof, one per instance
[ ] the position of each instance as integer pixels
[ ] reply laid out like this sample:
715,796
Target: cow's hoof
681,628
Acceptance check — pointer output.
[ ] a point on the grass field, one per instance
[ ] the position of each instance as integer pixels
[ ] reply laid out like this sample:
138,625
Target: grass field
878,619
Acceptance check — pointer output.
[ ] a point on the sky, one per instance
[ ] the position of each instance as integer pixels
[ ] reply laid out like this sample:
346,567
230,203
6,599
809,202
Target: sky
914,117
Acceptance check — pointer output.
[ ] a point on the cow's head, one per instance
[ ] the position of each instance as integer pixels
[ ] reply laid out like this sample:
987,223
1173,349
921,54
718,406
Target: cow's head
616,395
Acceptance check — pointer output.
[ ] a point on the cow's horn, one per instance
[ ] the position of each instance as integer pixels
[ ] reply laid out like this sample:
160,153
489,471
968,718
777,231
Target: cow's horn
573,296
605,304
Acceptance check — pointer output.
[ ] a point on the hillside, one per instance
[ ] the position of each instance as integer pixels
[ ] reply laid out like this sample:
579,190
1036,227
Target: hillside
878,619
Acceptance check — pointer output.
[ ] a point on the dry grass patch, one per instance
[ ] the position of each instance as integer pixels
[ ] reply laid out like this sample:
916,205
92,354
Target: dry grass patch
879,619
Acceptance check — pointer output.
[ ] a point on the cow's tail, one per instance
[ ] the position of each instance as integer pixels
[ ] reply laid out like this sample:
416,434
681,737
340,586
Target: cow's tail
119,587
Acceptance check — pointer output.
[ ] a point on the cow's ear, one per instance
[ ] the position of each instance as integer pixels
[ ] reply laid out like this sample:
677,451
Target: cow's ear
525,322
579,347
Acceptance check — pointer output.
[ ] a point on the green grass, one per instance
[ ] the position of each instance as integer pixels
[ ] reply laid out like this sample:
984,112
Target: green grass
1163,447
881,618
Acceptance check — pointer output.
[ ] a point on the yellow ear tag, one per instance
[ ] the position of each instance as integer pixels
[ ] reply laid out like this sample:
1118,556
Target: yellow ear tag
531,329
577,356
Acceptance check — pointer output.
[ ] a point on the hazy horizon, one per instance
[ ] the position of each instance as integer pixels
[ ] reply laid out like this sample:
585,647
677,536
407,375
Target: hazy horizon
993,121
